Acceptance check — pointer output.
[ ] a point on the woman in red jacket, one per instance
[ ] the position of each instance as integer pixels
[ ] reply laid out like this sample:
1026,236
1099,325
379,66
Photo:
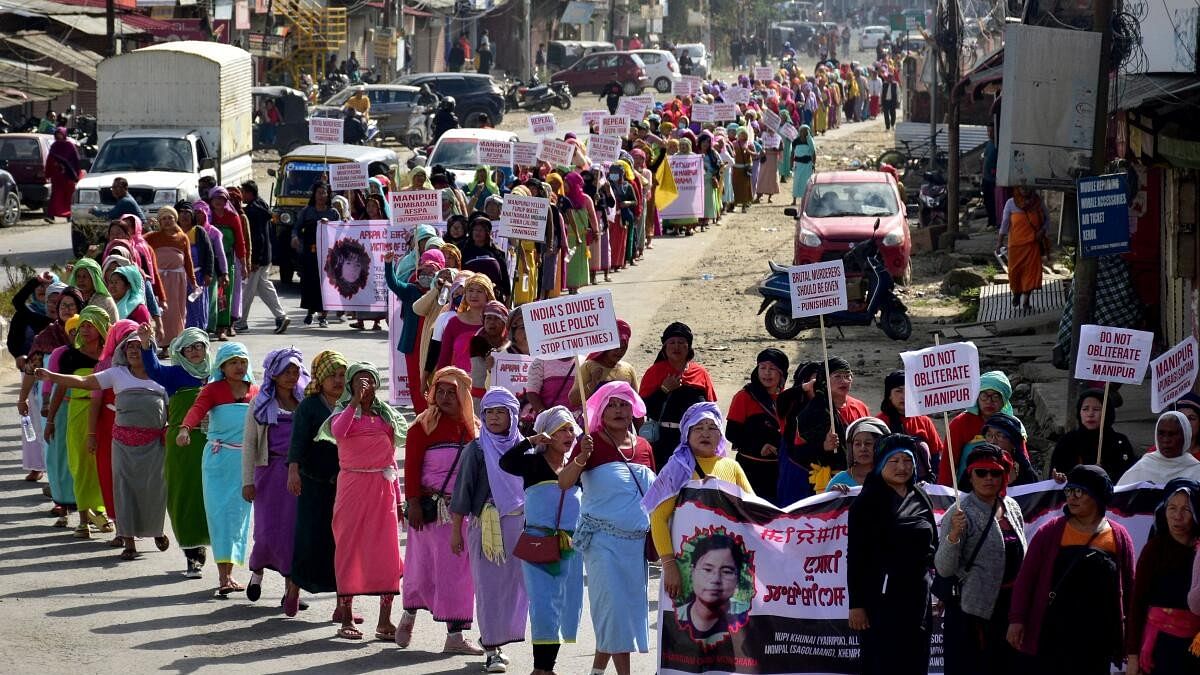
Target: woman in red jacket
891,411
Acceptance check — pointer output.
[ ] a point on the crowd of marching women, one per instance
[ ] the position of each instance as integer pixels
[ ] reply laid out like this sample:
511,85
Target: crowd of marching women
138,406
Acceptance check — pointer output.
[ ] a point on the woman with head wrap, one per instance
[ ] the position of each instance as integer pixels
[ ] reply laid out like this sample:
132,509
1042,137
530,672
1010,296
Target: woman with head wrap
265,472
312,476
1161,627
672,385
304,241
58,465
598,190
33,452
648,213
367,432
608,366
173,253
555,590
768,173
87,277
494,501
1078,446
1004,431
204,261
616,468
744,156
128,289
480,188
63,171
810,457
891,411
410,289
756,422
966,427
1075,586
454,347
1168,459
892,539
30,315
437,579
625,206
225,401
482,256
803,160
1189,405
862,435
102,417
713,168
582,226
137,443
982,544
191,365
228,220
491,337
525,287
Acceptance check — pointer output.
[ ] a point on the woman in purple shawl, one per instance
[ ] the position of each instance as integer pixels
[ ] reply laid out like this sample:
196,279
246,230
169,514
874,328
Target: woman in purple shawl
265,471
62,167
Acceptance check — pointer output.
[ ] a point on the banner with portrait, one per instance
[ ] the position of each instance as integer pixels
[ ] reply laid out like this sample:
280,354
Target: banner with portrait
351,263
772,586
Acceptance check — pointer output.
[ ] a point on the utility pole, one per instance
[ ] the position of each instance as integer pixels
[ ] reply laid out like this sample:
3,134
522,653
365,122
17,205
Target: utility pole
952,118
526,65
1084,283
110,24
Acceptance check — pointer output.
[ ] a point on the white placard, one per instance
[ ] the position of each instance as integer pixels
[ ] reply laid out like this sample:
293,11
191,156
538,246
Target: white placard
576,324
511,371
770,119
614,125
631,108
523,217
737,95
788,131
525,154
704,112
348,176
646,101
763,73
416,207
555,153
819,288
940,379
593,116
725,112
351,255
495,153
400,390
603,148
695,83
688,172
1113,354
543,124
325,130
1173,374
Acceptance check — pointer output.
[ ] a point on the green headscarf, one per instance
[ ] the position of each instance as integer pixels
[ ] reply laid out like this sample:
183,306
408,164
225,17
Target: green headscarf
230,350
93,269
136,295
98,318
996,381
487,181
191,336
387,412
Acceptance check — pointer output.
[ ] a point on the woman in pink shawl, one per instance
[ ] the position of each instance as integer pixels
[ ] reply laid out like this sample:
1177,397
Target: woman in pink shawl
62,168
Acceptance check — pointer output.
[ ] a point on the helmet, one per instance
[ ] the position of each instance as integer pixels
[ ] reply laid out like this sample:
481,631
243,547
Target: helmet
787,45
447,104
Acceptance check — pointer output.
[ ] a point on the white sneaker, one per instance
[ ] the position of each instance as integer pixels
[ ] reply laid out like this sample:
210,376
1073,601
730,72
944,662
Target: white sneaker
503,656
495,663
456,643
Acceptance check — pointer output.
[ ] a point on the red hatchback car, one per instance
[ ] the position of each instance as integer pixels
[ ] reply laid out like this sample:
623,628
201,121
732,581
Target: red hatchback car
840,208
596,71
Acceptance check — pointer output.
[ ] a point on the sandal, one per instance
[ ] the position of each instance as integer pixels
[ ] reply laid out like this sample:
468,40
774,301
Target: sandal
231,587
349,633
130,554
387,635
34,476
83,532
358,325
162,543
61,522
116,542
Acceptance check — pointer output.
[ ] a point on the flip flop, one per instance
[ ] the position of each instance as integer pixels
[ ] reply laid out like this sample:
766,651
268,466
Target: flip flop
387,635
349,633
130,554
231,587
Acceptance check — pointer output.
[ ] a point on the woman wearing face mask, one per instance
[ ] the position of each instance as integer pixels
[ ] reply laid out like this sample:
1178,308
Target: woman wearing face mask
483,257
1078,446
892,539
1074,589
1168,459
891,411
862,435
994,394
755,425
491,337
1161,627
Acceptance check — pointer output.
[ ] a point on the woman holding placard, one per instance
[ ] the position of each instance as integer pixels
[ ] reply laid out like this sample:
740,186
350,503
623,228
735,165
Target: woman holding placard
891,411
1078,446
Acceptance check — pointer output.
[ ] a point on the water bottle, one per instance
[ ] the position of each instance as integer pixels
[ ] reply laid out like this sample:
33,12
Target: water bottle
444,295
195,295
27,428
706,277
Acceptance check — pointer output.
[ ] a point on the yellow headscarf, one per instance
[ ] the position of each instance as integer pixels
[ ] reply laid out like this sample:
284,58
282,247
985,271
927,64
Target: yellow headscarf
482,281
462,383
323,365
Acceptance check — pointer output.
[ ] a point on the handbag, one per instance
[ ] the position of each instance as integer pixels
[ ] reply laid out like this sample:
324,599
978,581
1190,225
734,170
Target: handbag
949,589
541,549
430,503
651,429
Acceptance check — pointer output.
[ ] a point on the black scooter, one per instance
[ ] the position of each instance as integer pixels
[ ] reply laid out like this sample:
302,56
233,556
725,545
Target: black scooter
932,199
864,265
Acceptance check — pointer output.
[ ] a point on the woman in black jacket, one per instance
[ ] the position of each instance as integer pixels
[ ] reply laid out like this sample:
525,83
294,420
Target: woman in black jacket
1078,446
892,539
30,316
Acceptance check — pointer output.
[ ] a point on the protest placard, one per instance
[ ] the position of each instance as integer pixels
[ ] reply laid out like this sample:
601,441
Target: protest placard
788,131
614,125
325,130
940,379
523,218
543,124
593,116
771,119
1112,354
401,389
351,259
348,176
555,153
688,172
511,371
737,95
631,108
704,112
645,100
681,87
1173,374
576,324
725,112
819,288
495,153
604,148
416,207
695,83
763,73
525,154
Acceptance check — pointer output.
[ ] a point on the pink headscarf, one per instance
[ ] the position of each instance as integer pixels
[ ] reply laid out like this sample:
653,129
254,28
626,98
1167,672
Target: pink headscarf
116,335
574,190
608,391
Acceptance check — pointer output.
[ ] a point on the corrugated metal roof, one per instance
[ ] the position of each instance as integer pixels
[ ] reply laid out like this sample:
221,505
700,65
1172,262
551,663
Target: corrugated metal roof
1134,90
95,24
35,7
38,86
81,60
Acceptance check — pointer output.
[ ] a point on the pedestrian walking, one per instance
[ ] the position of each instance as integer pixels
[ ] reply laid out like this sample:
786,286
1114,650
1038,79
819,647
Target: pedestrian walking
258,280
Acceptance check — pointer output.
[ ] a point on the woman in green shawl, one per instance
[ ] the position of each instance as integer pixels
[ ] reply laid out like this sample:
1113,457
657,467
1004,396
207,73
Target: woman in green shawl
481,188
92,287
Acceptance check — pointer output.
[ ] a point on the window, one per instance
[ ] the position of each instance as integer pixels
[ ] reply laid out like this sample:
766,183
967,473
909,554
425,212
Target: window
832,200
650,59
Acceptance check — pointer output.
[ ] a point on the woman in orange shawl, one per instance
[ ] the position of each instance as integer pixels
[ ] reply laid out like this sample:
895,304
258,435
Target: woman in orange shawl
1024,223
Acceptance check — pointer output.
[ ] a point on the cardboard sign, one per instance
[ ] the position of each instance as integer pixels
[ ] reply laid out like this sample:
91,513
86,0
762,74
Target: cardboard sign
576,324
604,148
416,207
511,371
681,87
1173,374
695,84
523,218
1113,354
525,154
348,176
1103,203
631,108
704,112
725,112
543,124
788,131
940,379
763,73
400,391
614,125
593,116
819,288
771,119
495,153
737,95
555,153
351,258
646,101
324,130
688,172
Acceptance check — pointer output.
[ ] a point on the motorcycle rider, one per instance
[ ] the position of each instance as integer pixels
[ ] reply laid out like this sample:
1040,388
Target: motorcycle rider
788,52
354,128
359,102
445,119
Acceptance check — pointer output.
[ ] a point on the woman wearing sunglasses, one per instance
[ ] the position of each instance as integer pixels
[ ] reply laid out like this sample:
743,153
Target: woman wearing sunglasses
1074,589
982,544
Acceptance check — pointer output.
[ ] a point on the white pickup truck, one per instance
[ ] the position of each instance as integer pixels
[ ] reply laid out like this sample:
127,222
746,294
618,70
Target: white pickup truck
166,115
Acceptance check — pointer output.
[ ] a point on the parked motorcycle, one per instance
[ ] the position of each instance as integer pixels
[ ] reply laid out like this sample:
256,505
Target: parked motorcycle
876,302
562,93
932,199
332,84
535,96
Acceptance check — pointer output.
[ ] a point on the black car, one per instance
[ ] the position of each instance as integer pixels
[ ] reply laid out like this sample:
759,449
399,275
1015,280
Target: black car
473,94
